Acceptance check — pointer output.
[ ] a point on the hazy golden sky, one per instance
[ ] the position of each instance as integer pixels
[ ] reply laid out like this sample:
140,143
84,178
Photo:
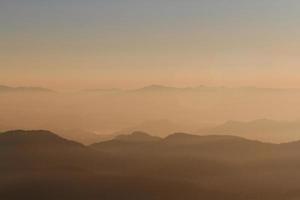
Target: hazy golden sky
70,44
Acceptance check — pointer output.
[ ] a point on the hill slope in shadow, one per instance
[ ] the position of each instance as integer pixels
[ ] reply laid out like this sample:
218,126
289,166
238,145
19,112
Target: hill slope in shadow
42,165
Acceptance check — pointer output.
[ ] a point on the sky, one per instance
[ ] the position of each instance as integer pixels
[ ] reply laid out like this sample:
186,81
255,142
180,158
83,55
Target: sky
81,44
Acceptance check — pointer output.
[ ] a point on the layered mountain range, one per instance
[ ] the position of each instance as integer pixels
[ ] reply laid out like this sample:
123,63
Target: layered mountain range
42,165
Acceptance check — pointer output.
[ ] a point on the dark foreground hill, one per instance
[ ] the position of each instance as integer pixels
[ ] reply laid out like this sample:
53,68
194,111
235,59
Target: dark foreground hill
42,165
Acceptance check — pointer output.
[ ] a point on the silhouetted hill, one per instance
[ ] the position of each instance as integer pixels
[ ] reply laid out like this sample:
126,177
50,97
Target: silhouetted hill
34,138
44,150
230,148
156,127
83,136
42,165
217,161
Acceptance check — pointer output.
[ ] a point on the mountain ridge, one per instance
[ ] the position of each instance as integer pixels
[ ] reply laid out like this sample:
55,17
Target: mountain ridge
4,88
208,167
261,129
166,88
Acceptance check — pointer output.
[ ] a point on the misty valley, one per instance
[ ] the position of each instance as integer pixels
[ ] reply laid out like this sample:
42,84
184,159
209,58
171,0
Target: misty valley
150,143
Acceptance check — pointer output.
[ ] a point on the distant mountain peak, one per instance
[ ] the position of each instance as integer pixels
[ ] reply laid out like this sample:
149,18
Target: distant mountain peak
156,87
4,88
263,121
137,136
199,88
28,132
105,90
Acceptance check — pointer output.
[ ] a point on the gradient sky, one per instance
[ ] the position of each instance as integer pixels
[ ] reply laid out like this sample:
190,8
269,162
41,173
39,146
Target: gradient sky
69,44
